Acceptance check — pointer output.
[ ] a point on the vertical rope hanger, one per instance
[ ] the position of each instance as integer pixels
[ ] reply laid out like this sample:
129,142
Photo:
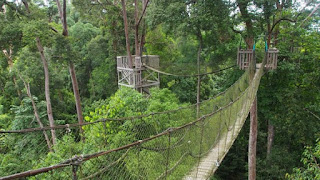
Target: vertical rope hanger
168,153
200,145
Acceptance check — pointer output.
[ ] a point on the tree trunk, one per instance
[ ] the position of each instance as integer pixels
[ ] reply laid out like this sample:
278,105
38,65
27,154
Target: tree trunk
126,31
269,36
249,38
136,35
252,150
63,17
143,32
270,138
36,114
47,89
142,38
76,95
276,33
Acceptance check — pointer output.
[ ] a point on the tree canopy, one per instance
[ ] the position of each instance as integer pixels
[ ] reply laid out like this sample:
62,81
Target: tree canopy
58,60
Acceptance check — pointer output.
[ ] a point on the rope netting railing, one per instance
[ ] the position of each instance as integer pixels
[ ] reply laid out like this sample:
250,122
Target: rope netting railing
172,144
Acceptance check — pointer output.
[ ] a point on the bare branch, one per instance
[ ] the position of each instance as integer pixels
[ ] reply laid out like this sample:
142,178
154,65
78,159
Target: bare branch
314,10
314,115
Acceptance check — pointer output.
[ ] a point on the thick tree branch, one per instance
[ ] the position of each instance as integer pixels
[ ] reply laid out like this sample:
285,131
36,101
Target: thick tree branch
278,21
54,30
143,12
14,8
26,5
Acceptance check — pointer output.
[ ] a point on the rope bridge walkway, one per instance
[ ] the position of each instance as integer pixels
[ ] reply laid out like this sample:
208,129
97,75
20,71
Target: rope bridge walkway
176,144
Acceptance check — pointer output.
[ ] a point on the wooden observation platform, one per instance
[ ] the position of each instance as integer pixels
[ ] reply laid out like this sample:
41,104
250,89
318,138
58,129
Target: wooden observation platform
139,77
245,57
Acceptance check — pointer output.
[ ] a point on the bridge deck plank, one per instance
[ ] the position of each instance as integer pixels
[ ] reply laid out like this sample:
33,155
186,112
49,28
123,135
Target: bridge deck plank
210,163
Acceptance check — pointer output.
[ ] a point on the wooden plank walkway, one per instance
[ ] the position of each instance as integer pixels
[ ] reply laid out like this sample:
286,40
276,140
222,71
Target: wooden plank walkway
210,163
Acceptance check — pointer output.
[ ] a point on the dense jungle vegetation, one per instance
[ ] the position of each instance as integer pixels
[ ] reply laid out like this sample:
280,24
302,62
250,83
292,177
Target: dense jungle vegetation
58,66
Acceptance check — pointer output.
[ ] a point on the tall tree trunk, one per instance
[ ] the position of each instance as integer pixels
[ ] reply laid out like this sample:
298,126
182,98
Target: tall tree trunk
249,38
143,32
47,90
36,114
76,95
252,150
142,38
136,35
126,31
63,17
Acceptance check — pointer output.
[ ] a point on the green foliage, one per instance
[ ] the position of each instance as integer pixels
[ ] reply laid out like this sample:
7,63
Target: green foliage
34,29
10,34
24,116
22,148
158,43
311,169
4,118
126,103
82,34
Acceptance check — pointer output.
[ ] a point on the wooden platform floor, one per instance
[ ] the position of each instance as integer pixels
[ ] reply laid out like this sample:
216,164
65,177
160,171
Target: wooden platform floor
258,66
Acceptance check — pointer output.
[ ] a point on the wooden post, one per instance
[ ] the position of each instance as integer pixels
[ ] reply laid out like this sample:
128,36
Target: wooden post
74,172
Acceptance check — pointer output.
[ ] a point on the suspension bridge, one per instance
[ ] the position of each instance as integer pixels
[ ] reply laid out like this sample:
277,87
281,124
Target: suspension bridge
192,149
